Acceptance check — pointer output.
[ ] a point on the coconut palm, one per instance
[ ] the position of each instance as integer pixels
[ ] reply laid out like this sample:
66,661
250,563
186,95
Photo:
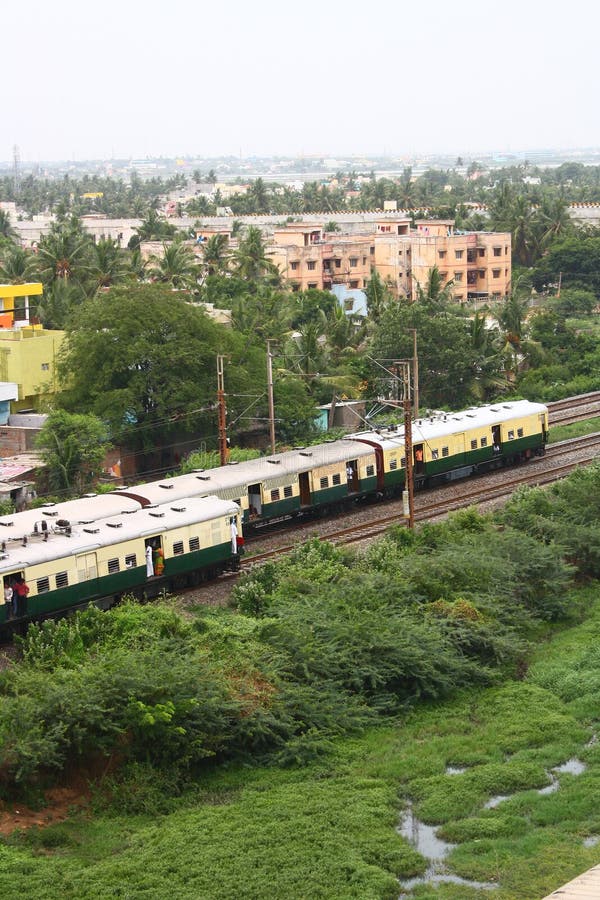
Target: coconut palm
554,220
215,258
250,260
107,263
18,266
177,266
6,229
436,292
489,377
64,253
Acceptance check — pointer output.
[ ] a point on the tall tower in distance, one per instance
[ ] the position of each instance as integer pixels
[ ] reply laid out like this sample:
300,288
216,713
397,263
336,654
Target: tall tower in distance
16,169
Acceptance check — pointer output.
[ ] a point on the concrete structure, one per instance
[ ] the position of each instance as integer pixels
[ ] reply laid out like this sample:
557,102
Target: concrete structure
8,392
16,306
584,887
310,258
28,359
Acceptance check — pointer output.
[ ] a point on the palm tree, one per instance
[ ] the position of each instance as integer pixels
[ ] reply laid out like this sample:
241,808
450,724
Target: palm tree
436,292
525,245
6,229
18,266
554,220
251,262
107,263
214,254
154,228
488,377
64,253
177,266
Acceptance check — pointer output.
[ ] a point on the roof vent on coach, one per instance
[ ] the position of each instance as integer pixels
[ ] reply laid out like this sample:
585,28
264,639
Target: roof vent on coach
91,530
306,453
274,462
203,477
169,486
115,524
175,509
157,515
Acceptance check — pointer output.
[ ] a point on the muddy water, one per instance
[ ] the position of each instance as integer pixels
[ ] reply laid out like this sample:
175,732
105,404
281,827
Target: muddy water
425,840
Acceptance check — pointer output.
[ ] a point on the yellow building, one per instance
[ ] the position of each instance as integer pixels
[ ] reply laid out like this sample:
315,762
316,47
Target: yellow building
28,353
309,258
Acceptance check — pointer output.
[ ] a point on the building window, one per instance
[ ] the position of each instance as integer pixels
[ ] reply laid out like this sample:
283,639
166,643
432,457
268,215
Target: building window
311,265
312,285
496,295
496,273
506,273
403,462
130,561
62,579
353,262
194,544
337,478
497,251
113,566
474,445
295,287
372,251
435,454
45,367
442,254
511,435
482,273
505,250
393,463
324,482
519,432
445,451
459,297
295,266
458,254
483,442
364,260
43,585
178,548
287,491
354,285
338,263
458,276
370,471
275,495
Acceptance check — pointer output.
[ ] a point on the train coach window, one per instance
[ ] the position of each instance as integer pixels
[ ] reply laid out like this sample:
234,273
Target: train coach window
403,462
287,491
484,442
474,445
62,579
178,548
393,463
43,585
370,471
113,566
275,494
519,432
435,454
324,482
511,435
194,544
130,561
445,451
337,479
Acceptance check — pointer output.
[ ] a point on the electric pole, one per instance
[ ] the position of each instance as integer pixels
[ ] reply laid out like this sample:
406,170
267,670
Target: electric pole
222,413
270,396
415,363
409,485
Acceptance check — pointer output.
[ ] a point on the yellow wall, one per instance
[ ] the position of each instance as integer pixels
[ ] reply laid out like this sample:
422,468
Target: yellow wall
28,357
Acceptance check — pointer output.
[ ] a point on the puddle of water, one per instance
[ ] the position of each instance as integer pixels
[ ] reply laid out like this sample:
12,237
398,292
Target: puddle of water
424,839
572,766
455,770
493,802
591,841
552,787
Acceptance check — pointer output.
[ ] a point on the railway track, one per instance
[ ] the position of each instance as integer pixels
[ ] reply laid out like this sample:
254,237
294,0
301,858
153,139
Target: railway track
574,409
498,486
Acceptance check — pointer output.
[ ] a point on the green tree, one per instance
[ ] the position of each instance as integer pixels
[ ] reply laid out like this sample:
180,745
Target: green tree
64,253
73,447
176,266
215,256
250,260
107,263
18,266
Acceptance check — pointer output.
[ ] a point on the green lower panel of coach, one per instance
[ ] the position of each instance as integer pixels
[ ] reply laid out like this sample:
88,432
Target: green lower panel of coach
274,509
393,479
198,560
329,496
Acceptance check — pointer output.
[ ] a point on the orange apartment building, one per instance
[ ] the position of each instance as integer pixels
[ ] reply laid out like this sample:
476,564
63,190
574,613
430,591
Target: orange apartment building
478,263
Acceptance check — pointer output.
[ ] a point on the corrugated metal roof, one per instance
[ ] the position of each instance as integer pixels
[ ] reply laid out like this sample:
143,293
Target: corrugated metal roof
584,887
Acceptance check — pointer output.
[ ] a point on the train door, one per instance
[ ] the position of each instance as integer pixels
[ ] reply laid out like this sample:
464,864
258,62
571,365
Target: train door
418,459
496,441
254,501
87,567
155,556
352,476
304,484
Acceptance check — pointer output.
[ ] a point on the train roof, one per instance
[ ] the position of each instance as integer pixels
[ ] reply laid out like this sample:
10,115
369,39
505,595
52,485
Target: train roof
115,529
84,509
234,478
441,424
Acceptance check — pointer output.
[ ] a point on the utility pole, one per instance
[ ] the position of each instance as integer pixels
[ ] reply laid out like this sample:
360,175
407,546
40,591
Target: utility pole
559,284
415,362
409,485
270,396
222,413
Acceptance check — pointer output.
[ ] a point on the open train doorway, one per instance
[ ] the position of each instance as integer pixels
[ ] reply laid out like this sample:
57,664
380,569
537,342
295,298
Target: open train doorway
254,501
304,489
352,476
496,440
155,556
418,459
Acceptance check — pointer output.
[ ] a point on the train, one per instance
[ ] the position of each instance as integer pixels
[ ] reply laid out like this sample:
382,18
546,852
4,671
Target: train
94,549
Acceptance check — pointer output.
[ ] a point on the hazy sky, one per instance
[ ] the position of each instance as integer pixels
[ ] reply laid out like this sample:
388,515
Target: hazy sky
128,78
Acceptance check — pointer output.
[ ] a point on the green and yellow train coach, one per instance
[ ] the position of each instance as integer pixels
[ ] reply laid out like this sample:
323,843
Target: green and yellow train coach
140,552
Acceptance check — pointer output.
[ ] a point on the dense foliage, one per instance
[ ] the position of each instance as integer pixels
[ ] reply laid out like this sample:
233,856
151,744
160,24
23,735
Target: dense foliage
322,643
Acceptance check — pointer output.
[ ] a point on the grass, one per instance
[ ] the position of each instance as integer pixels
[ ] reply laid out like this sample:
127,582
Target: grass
329,830
577,429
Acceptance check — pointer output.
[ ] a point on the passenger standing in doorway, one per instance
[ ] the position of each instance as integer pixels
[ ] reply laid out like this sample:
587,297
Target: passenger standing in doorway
20,591
149,563
8,599
234,535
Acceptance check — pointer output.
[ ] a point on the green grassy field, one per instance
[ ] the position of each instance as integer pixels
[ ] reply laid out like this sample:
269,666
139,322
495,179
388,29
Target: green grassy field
328,830
577,429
